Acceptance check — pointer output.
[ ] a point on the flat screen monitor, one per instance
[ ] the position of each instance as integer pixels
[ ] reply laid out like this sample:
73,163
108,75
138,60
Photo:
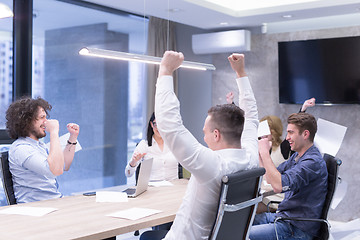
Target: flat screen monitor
327,69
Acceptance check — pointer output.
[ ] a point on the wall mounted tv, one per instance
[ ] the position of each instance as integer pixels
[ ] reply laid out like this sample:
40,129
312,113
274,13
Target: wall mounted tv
327,69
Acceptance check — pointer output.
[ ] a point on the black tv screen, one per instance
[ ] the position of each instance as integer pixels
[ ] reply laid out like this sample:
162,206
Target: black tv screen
327,69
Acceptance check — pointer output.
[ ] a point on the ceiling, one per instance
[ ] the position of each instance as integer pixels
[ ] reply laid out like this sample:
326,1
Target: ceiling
312,14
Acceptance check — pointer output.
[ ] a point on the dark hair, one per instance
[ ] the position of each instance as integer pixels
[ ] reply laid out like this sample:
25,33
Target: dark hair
21,114
304,121
229,120
150,130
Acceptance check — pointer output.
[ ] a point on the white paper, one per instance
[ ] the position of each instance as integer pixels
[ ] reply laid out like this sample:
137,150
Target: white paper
28,211
329,136
160,183
263,129
339,194
110,196
63,141
134,213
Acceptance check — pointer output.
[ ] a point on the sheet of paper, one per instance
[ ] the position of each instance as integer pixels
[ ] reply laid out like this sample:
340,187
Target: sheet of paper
160,183
27,211
63,141
329,136
339,194
134,213
263,129
110,196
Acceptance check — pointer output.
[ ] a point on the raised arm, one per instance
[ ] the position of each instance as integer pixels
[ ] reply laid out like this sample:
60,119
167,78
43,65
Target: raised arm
56,157
247,103
69,150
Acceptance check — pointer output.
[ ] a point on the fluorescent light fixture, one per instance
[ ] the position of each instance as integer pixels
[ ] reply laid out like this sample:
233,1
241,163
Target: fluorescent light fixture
5,11
95,52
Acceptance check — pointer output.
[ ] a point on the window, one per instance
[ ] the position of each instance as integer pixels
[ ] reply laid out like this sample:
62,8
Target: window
105,97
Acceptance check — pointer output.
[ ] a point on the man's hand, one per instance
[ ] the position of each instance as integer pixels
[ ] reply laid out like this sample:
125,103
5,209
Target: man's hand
52,126
308,103
237,62
230,97
170,62
74,130
264,147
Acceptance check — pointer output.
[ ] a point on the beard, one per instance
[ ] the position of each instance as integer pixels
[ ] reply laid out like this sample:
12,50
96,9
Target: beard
37,133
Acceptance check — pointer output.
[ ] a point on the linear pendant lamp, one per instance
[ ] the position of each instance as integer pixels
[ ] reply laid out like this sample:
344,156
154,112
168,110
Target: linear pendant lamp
95,52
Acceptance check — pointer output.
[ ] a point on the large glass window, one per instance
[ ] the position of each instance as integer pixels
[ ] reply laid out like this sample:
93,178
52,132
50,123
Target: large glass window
105,97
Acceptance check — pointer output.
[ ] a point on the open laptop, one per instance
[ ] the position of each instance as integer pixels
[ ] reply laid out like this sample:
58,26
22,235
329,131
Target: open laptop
143,179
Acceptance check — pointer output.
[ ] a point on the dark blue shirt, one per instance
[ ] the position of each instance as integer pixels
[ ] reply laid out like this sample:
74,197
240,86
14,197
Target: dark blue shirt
305,186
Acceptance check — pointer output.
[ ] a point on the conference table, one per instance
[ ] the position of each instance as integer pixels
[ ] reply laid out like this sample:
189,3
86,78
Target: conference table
81,217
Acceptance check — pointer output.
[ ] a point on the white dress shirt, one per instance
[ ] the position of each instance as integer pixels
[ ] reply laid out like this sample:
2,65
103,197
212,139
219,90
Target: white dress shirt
165,166
195,218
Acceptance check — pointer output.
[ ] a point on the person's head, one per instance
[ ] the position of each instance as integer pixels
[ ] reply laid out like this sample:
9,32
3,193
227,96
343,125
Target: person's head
26,117
276,129
223,127
301,130
152,129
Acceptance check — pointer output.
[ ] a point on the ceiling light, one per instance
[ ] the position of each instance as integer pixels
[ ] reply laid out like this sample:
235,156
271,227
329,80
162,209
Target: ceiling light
287,16
5,11
224,23
102,53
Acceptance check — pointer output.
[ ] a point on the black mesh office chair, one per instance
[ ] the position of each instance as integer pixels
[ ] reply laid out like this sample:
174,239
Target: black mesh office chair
332,165
240,194
7,179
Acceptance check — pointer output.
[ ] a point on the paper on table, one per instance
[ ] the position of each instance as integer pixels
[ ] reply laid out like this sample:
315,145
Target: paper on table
109,196
339,194
160,183
28,211
134,213
329,136
63,141
263,129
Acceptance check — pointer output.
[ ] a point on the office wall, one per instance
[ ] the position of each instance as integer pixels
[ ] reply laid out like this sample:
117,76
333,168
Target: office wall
262,67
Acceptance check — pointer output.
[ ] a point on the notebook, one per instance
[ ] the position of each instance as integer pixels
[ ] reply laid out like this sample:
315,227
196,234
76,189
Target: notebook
143,179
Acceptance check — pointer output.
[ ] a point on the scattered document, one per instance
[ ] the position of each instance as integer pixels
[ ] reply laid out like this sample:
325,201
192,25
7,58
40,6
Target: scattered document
263,129
63,141
110,196
339,194
28,211
160,183
134,213
329,136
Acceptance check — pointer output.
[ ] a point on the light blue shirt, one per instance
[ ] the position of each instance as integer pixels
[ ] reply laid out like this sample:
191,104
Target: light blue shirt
32,178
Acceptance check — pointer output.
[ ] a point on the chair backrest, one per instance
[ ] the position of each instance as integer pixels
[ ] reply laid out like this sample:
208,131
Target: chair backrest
7,179
332,165
240,194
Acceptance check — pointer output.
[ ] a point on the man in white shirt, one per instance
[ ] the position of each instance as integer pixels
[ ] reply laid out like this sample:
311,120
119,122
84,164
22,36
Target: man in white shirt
231,136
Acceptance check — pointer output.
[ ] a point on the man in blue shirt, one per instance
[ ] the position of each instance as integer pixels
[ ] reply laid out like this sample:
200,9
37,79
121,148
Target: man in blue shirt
34,167
303,179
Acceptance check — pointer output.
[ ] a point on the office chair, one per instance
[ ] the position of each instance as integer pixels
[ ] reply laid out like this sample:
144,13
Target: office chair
7,179
332,165
240,194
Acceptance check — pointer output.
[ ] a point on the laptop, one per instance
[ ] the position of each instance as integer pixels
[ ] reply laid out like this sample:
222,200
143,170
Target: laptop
143,179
